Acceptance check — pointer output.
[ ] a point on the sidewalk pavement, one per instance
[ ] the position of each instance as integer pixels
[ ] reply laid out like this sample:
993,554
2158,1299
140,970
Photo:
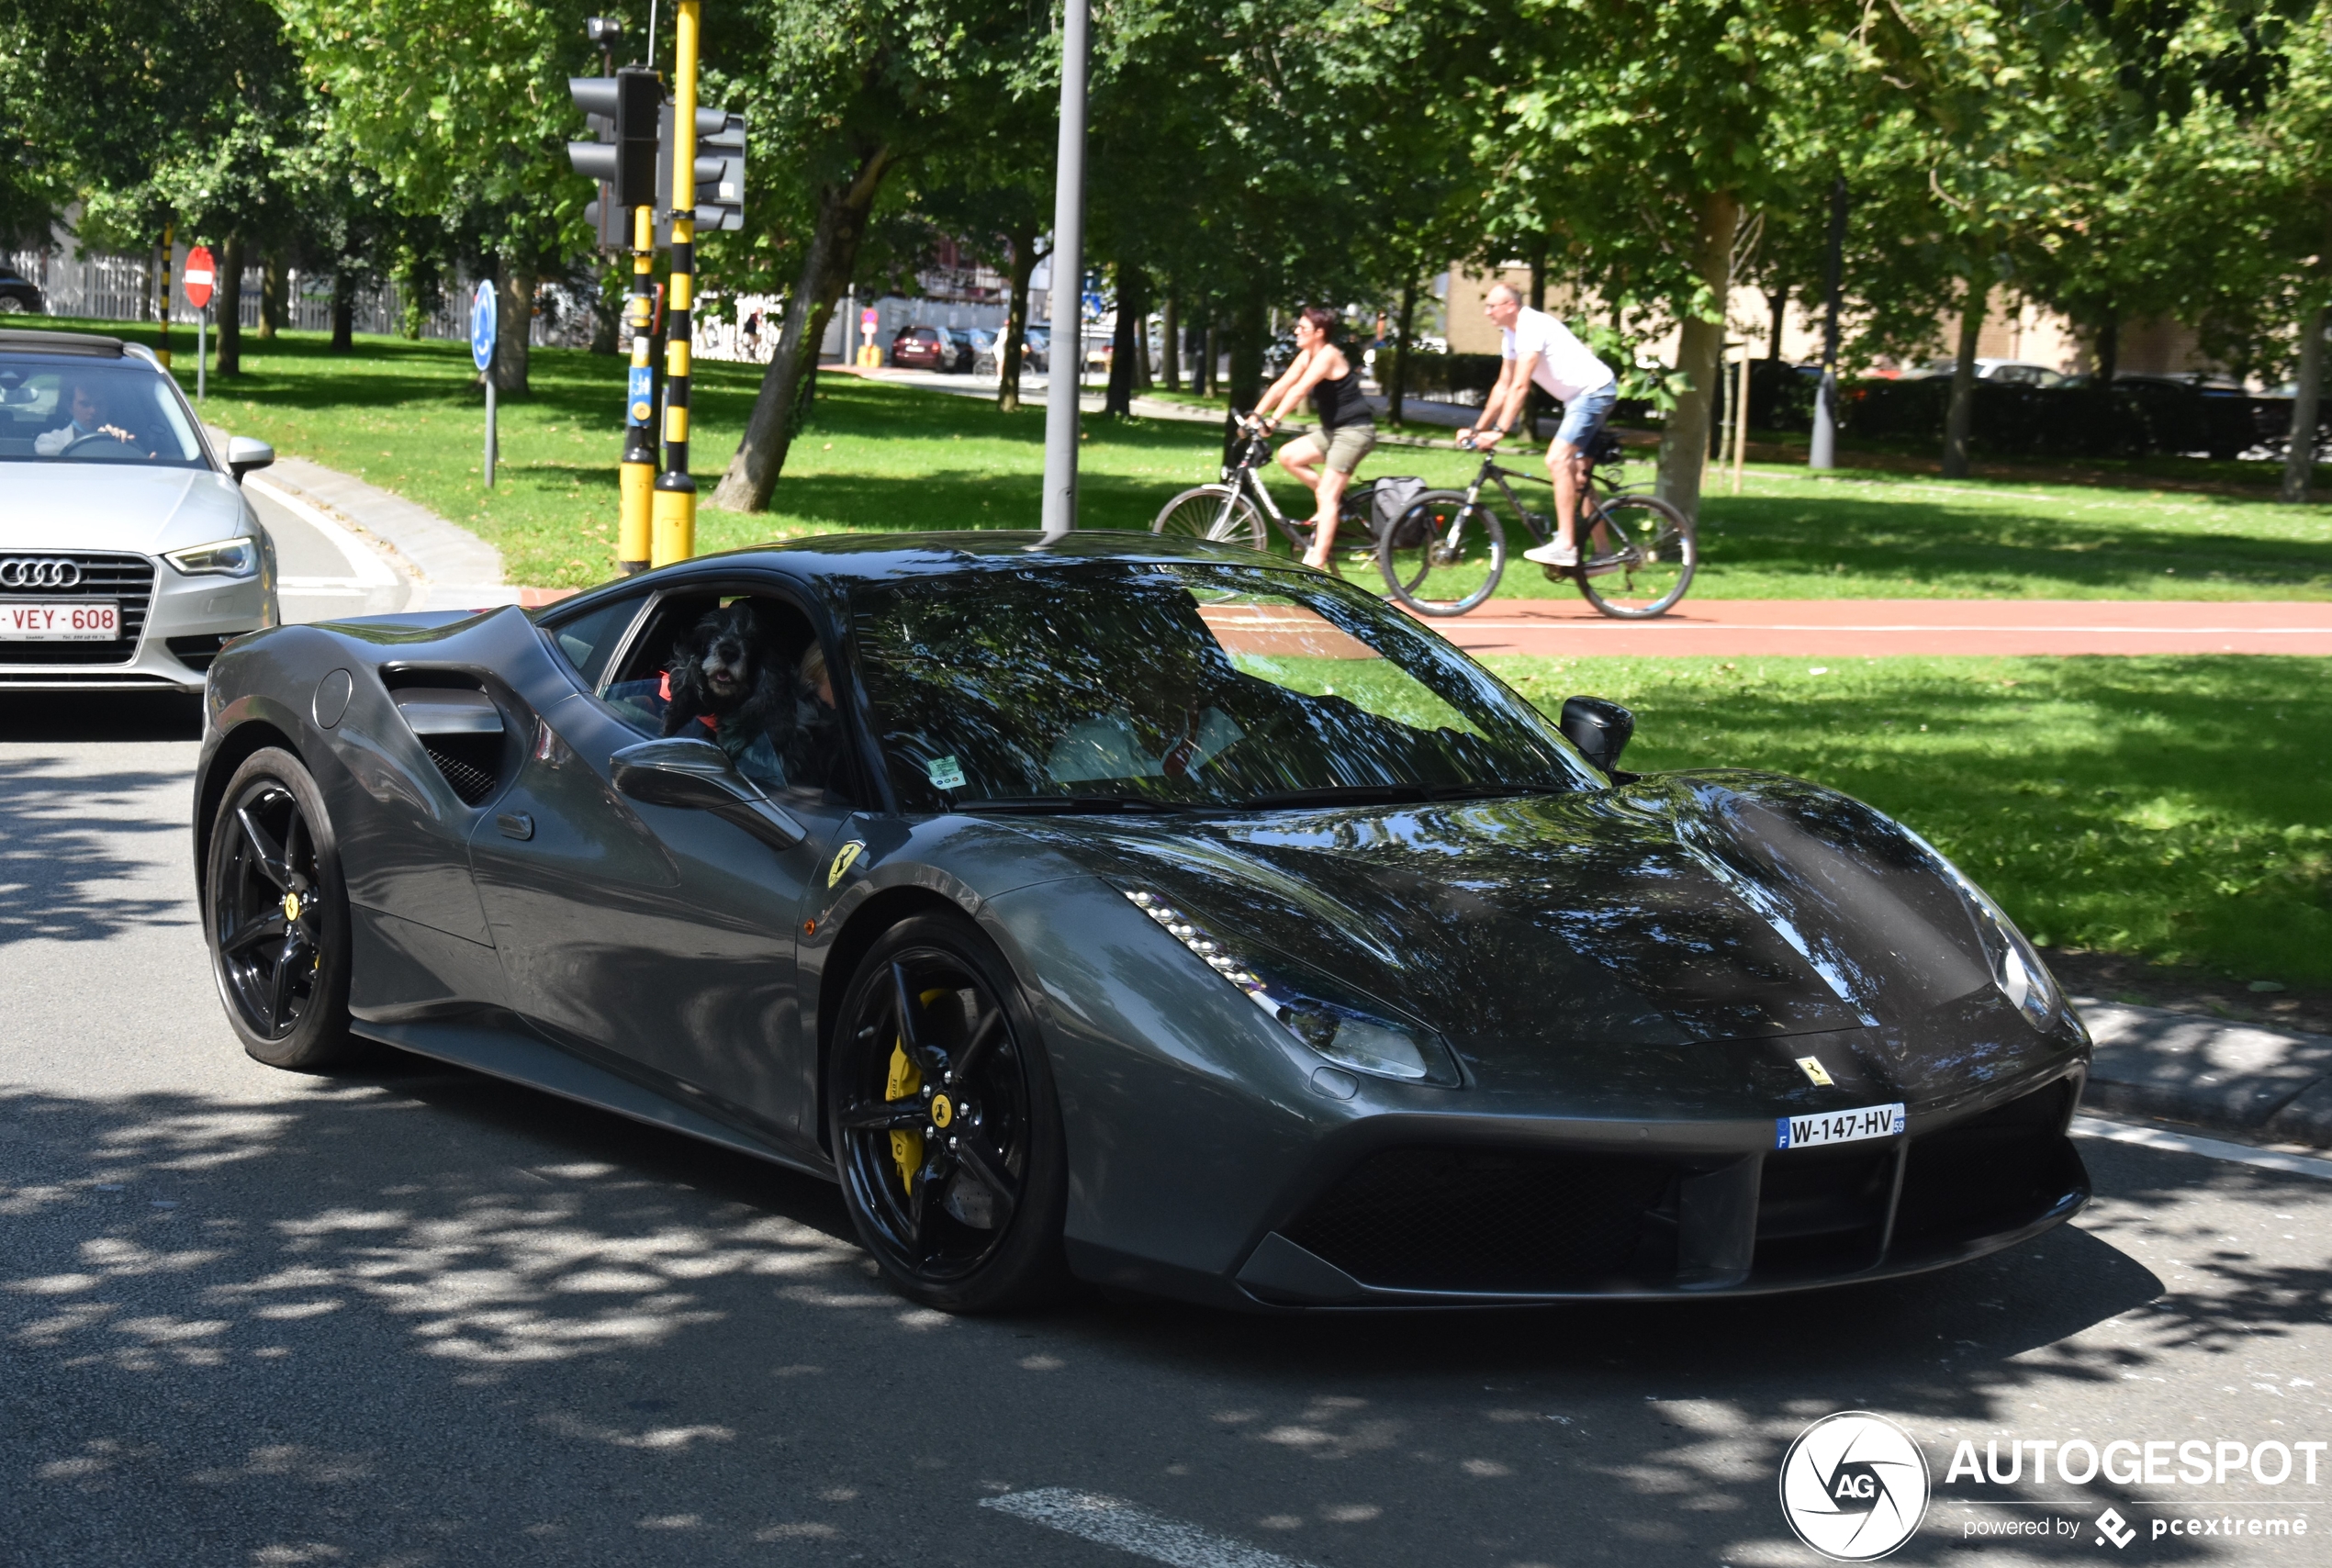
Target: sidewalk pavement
2264,1085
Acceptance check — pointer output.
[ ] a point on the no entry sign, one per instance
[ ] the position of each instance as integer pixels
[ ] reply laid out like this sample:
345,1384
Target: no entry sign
202,276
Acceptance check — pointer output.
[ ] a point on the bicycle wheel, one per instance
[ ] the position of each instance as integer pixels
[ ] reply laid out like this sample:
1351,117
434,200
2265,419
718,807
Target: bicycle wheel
1212,512
1459,547
1641,558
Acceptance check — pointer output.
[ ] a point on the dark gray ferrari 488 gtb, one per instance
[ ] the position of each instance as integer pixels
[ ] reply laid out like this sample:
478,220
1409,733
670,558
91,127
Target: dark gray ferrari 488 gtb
1148,914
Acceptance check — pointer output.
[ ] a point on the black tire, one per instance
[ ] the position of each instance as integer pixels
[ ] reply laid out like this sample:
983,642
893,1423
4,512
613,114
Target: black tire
275,917
962,1208
1213,511
1430,557
1640,560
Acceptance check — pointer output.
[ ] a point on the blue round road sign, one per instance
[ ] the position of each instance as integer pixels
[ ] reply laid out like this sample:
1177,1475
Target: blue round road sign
482,323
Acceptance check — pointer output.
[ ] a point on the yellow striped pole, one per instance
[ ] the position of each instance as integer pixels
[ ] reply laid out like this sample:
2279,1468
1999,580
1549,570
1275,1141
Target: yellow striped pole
637,488
675,491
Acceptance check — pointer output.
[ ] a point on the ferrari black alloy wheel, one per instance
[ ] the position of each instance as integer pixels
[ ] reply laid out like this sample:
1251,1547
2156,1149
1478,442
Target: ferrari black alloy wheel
946,1130
276,916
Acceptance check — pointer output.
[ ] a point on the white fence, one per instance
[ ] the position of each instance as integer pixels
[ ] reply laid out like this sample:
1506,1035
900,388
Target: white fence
121,288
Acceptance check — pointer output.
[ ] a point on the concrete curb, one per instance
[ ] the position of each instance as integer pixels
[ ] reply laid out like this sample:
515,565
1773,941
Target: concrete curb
2272,1084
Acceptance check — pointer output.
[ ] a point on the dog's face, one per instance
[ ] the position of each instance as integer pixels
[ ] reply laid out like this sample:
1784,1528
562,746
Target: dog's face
725,643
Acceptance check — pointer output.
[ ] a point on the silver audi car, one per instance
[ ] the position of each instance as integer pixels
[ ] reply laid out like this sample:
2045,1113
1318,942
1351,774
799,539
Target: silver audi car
128,557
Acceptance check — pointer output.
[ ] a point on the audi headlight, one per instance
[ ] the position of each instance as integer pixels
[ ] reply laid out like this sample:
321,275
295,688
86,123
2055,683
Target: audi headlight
227,558
2016,966
1343,1034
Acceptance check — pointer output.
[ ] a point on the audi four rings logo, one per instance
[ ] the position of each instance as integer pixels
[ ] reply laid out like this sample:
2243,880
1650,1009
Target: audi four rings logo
25,571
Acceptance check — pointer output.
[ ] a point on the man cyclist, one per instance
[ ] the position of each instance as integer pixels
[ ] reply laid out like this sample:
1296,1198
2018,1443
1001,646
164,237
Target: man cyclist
1539,348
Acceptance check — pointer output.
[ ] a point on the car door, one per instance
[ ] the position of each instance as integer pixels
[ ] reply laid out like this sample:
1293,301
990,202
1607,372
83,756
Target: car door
657,940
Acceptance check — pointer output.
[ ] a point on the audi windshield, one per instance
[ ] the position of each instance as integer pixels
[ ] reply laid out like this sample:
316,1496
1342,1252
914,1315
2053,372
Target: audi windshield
85,410
1140,686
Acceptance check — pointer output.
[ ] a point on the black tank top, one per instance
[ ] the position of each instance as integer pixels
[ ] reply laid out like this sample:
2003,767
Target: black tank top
1340,402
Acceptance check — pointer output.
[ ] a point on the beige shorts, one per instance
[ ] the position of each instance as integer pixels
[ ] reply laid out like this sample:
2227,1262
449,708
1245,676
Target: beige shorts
1342,448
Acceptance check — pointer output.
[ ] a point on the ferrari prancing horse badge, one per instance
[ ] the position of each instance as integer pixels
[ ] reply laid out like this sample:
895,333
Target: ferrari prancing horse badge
843,858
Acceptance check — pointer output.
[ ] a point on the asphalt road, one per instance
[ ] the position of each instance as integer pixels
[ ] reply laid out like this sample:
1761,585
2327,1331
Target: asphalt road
414,1316
322,570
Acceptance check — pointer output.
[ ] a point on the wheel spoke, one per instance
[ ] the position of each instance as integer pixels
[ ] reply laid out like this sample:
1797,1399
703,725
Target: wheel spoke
885,1117
255,932
975,1160
919,1209
983,1034
279,996
270,854
922,1055
292,837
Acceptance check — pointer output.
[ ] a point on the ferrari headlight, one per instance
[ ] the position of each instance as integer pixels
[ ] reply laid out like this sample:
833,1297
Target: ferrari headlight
1342,1034
227,558
2016,966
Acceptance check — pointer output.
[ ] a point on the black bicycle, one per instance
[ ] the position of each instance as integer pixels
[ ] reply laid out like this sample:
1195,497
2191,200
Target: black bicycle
1233,509
1446,553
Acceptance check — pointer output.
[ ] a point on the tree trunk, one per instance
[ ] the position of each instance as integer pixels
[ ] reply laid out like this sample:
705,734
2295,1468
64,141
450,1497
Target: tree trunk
1247,351
1779,303
1539,274
1125,342
514,324
274,289
1170,343
1962,417
2299,459
1396,386
1202,370
229,302
344,310
1013,346
1700,352
753,472
2109,350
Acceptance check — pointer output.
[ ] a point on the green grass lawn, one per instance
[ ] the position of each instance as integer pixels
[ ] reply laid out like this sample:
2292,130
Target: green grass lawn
2178,810
408,417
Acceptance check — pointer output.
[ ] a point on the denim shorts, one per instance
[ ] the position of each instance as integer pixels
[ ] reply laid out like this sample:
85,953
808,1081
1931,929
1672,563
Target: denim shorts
1583,416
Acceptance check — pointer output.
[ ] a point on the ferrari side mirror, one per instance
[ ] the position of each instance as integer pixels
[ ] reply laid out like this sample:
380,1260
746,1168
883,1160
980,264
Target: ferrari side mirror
698,776
1599,727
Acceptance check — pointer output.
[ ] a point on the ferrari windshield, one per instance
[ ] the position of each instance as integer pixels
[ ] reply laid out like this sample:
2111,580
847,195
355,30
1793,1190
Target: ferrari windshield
1133,685
92,410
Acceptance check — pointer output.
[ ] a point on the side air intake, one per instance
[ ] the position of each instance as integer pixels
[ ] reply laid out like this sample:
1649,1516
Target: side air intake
462,732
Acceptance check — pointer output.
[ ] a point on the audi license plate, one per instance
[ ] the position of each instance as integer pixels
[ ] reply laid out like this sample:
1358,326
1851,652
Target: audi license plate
82,623
1838,1126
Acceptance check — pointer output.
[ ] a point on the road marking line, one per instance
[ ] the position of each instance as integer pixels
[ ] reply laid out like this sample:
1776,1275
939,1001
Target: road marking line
2208,1147
370,568
1113,1522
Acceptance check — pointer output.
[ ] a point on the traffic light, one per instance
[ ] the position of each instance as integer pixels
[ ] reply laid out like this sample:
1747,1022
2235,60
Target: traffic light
720,170
622,110
719,196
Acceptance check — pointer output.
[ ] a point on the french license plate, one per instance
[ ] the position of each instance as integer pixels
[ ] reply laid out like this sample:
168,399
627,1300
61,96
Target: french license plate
1838,1126
76,623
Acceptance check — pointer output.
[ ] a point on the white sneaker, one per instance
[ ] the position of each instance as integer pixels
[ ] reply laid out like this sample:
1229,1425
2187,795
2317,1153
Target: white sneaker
1555,553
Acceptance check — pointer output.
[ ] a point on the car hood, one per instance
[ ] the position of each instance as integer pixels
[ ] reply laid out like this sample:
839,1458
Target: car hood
1694,928
92,506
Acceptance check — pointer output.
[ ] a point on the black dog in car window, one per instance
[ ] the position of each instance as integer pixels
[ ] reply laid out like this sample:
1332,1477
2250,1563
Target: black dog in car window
723,670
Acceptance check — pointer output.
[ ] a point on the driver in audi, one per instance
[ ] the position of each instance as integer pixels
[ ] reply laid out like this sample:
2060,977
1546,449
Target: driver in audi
86,416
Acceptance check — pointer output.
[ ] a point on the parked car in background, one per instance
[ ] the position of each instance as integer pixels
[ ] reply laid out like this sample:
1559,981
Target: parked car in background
919,348
2014,371
20,295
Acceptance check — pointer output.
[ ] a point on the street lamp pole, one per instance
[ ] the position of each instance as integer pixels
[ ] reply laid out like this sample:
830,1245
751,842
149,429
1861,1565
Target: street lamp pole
1069,277
1824,452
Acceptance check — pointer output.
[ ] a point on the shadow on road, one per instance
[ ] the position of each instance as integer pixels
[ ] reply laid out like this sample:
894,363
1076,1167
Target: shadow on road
79,717
69,861
301,1325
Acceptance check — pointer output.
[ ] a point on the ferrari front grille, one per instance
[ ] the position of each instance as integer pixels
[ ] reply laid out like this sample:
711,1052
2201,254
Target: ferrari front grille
127,580
1988,1173
1464,1220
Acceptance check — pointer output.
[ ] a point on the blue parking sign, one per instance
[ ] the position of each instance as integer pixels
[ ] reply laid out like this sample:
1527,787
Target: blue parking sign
482,325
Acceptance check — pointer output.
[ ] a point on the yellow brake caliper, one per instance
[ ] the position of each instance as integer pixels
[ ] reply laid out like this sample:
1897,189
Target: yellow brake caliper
905,1082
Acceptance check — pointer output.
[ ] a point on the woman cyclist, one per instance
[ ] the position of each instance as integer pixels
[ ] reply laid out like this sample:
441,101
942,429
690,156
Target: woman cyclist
1323,461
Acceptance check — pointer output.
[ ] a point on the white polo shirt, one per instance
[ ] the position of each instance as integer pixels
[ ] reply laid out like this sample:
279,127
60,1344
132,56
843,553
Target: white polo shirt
1566,367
